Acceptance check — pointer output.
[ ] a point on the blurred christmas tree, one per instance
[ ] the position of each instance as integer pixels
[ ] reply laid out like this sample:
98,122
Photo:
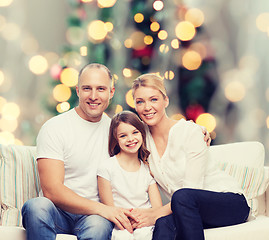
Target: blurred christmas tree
135,37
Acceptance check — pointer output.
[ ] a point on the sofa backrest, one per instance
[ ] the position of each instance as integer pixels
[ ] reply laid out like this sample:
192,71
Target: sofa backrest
245,162
19,181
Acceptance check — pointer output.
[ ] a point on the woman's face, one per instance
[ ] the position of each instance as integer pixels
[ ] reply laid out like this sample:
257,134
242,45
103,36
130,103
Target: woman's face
150,105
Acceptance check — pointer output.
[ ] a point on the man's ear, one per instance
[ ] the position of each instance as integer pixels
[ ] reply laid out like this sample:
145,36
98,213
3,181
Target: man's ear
112,91
77,90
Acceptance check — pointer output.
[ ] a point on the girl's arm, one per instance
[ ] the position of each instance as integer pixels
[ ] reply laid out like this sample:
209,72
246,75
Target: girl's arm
154,196
105,191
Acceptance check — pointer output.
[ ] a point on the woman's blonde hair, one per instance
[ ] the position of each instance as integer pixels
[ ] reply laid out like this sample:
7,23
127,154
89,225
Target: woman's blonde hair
149,80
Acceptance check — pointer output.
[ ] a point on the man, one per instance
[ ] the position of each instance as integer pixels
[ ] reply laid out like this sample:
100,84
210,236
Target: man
69,148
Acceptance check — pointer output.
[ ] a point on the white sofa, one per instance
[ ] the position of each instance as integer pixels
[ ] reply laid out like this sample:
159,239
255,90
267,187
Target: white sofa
244,161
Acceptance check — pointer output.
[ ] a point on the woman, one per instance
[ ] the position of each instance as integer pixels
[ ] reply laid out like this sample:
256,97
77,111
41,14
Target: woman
201,195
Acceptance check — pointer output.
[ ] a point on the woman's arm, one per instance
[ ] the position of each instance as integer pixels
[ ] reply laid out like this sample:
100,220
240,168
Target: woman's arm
105,191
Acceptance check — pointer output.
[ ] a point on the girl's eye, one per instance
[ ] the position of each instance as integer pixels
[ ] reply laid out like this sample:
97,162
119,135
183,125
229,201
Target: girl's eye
121,136
136,132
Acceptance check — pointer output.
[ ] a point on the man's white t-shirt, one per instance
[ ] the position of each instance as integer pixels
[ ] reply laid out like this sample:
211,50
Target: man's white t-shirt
129,189
80,144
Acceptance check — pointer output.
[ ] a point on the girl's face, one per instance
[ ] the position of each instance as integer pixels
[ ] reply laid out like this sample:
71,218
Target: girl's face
150,105
129,138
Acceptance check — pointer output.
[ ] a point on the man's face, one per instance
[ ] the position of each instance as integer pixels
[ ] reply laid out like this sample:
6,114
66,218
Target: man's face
94,92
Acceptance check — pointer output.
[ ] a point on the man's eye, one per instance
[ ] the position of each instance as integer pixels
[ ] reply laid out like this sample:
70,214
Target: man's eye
101,89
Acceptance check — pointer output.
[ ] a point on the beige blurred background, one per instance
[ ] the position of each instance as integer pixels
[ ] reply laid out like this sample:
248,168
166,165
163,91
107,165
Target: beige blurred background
238,32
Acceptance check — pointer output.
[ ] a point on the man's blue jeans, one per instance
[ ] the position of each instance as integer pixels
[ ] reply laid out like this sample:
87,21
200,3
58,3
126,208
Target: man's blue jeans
43,220
195,210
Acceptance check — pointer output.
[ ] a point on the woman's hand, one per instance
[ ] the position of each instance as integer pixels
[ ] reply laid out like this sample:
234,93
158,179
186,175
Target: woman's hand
145,217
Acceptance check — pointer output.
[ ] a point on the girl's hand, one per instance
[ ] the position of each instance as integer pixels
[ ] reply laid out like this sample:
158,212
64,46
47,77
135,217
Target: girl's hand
145,217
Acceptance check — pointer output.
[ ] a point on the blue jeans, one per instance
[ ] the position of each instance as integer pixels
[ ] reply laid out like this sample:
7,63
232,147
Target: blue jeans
43,220
194,210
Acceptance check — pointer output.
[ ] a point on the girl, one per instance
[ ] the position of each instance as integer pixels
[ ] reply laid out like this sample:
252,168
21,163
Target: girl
124,179
201,196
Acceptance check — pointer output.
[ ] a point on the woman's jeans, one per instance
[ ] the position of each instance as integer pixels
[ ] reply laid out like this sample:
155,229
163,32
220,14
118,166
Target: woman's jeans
195,210
42,221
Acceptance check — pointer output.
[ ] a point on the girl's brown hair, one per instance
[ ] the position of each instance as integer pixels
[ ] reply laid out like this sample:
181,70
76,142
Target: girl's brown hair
132,119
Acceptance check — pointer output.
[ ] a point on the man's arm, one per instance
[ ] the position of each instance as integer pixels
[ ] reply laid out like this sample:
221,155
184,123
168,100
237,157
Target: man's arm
51,173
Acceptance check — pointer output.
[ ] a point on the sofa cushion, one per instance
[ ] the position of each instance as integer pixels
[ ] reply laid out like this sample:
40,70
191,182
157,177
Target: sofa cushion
19,180
255,229
245,162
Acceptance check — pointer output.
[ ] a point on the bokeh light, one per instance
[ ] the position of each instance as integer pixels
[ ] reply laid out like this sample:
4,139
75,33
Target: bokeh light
38,65
163,48
97,30
138,40
185,31
11,31
139,17
235,91
207,120
10,110
69,77
3,101
127,72
169,75
5,3
83,51
191,60
154,27
118,109
177,116
262,22
175,43
9,125
128,43
63,107
109,26
158,5
106,3
148,39
162,35
61,93
129,99
6,138
195,16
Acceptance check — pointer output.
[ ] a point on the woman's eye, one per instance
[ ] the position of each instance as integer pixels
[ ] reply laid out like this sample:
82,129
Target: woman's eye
139,102
154,99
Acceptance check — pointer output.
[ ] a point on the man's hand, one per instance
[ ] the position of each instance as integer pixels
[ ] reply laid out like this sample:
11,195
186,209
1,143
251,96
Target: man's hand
120,216
207,137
